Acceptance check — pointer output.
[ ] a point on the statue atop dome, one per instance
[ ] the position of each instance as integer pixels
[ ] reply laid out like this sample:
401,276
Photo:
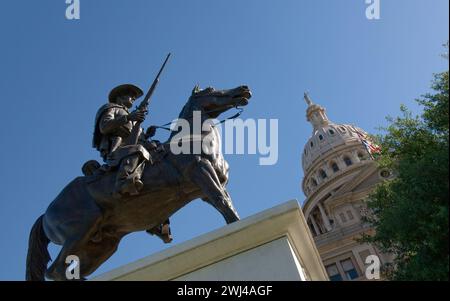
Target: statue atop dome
315,114
307,99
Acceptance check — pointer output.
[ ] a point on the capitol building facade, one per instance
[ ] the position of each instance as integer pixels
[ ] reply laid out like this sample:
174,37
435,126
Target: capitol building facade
339,174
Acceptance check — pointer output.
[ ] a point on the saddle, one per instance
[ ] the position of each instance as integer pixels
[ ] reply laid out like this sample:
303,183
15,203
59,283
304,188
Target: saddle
95,171
156,150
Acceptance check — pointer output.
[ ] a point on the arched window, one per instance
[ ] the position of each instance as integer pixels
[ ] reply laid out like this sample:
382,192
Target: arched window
361,156
347,161
322,174
385,173
334,167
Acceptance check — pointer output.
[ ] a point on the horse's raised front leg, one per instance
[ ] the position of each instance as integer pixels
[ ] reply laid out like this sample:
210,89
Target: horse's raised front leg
216,195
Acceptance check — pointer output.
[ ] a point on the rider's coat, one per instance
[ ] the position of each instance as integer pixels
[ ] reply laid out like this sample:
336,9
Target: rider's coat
112,129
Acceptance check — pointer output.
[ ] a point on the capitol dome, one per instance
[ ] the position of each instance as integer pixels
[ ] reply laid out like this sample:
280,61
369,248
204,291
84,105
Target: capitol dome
339,174
331,149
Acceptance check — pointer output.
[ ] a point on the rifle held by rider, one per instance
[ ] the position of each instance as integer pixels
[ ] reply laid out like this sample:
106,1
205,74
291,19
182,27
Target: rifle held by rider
134,136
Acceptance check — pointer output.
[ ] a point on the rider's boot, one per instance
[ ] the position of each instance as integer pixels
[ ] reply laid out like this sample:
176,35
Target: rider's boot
128,179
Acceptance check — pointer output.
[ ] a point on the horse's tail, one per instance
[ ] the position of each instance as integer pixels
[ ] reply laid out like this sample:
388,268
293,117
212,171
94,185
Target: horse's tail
38,256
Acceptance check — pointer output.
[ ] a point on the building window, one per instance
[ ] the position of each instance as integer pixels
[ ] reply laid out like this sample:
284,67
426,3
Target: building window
333,272
347,161
342,128
335,167
385,173
349,269
343,218
331,131
320,137
361,156
312,144
322,174
350,215
311,228
314,182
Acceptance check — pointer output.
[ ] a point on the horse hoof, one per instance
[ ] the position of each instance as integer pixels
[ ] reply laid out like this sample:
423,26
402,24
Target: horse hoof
138,184
167,239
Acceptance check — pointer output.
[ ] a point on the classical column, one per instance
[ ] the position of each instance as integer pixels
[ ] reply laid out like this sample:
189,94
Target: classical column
325,219
328,170
355,157
313,222
340,162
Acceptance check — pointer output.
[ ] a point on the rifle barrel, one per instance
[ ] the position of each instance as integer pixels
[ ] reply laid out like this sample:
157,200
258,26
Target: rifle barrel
155,82
134,135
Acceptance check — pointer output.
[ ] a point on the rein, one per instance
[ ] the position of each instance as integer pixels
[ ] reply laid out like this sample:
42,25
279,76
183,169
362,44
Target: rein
240,111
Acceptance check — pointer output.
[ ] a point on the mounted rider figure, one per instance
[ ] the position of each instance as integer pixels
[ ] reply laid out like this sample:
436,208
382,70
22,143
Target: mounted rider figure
113,126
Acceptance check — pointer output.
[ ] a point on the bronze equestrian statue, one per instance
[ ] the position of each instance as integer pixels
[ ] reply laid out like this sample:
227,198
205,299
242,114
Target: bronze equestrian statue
95,211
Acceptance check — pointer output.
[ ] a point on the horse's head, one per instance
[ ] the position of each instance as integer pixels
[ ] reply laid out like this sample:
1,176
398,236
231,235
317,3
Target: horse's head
214,102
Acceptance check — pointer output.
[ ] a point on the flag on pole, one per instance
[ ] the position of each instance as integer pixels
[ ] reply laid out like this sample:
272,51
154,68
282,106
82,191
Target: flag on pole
371,147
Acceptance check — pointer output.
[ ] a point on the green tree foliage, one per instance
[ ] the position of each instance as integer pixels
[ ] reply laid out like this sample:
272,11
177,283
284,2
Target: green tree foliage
410,211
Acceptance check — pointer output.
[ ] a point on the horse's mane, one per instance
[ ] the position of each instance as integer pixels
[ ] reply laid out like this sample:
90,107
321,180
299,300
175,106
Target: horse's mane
187,108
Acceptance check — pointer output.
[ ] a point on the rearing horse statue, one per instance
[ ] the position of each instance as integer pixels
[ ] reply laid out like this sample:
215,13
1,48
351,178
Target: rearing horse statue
89,223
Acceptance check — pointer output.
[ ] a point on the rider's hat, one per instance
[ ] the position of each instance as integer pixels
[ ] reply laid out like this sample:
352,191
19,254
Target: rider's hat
126,89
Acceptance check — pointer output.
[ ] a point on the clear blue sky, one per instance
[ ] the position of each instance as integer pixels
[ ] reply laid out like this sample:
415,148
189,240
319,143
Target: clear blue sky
55,73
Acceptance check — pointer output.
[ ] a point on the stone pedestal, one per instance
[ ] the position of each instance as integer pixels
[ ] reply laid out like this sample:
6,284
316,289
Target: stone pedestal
272,245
